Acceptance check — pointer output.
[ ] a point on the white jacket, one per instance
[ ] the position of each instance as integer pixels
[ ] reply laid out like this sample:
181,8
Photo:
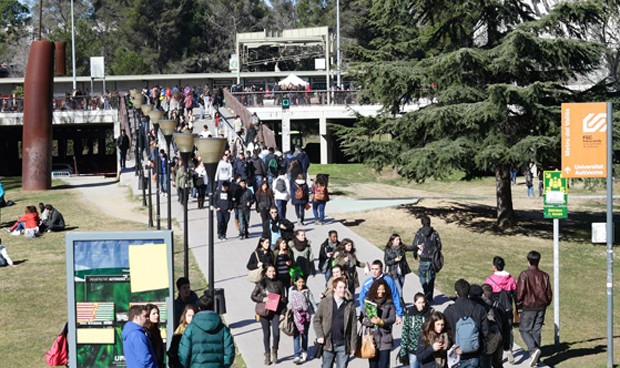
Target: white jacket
282,196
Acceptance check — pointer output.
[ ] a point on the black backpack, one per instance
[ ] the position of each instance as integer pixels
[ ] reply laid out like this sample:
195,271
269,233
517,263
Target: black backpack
504,301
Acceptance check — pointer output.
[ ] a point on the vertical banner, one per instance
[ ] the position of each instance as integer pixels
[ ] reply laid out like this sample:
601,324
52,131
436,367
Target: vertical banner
107,273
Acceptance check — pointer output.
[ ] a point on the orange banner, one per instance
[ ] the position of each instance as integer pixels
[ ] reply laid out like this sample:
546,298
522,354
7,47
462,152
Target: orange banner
584,140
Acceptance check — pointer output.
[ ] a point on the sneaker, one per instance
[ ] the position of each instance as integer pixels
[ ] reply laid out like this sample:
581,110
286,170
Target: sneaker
534,358
304,357
317,222
297,360
16,233
511,358
224,238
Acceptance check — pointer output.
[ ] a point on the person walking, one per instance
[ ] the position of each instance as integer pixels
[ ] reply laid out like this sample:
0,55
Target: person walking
186,318
302,253
299,198
376,270
279,227
207,341
152,326
434,342
282,192
262,256
379,317
320,197
326,252
396,261
346,257
122,142
301,303
137,347
335,326
533,297
270,321
283,260
425,243
412,329
264,201
223,206
244,199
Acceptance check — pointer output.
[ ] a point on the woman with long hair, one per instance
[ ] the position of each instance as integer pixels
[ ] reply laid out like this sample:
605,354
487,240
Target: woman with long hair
264,201
396,262
270,322
412,328
434,342
301,303
152,325
186,318
345,256
302,253
379,314
299,196
262,255
283,260
30,220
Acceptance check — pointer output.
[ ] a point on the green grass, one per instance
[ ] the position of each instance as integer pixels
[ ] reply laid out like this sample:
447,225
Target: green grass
33,301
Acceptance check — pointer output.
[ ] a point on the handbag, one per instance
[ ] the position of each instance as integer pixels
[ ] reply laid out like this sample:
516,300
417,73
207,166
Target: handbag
254,276
287,325
402,357
58,354
365,347
261,310
307,206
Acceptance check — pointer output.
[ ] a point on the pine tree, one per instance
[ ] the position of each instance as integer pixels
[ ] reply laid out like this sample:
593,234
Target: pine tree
496,75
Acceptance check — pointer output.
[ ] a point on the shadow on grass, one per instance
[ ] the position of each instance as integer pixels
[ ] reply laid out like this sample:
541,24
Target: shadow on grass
12,182
482,219
352,223
18,262
88,185
563,352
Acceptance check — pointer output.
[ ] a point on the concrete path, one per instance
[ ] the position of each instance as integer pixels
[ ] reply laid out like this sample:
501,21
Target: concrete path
231,257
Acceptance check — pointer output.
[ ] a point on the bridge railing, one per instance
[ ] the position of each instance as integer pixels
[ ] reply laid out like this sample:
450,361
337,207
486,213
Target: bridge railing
297,98
71,103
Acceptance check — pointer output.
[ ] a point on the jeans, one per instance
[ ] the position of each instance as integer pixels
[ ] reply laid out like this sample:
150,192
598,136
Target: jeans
258,180
469,363
223,216
270,325
340,355
530,191
328,273
244,221
427,278
123,158
530,325
413,361
300,341
19,226
319,211
300,212
381,360
399,283
281,205
264,215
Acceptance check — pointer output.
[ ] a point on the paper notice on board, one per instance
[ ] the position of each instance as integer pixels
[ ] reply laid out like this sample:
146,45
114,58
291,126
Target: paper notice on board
148,267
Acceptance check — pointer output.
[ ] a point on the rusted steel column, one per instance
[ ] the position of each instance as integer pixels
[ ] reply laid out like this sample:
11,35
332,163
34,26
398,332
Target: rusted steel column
61,59
37,131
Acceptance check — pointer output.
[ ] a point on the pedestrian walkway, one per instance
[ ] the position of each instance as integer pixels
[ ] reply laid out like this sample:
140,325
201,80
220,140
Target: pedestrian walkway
231,257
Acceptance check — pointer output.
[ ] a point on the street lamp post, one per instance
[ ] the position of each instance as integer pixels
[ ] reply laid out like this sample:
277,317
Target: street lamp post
137,103
167,128
211,151
146,109
185,144
156,116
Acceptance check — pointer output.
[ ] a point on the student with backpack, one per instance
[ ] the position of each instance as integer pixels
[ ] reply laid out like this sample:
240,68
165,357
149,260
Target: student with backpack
467,325
281,192
320,197
504,287
299,198
427,246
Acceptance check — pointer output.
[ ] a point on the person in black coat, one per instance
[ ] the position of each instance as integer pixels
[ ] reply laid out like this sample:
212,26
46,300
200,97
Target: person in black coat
244,199
279,227
223,205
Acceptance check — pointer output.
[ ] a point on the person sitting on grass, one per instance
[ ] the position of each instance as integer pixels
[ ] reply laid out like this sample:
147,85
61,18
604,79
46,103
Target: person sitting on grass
30,220
5,259
54,220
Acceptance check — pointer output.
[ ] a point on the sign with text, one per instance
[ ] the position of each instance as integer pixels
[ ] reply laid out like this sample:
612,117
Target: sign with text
555,194
584,140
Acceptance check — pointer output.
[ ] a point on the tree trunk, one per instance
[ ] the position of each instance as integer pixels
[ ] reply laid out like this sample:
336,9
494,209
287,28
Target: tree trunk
505,211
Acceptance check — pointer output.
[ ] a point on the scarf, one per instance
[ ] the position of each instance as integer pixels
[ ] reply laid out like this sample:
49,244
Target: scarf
275,224
299,245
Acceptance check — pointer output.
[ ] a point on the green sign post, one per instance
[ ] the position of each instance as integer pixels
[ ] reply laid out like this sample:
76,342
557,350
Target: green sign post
555,195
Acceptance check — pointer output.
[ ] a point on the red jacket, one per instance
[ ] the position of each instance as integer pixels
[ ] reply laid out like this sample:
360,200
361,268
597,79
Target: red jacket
32,220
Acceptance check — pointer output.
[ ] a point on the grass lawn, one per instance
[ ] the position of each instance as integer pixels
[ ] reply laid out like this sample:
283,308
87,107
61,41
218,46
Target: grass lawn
470,241
33,302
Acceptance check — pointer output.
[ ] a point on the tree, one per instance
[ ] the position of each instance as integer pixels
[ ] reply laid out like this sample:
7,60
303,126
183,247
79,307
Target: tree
14,20
495,75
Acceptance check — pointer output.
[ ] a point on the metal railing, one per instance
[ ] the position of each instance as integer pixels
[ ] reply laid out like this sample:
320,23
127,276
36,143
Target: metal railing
297,98
70,103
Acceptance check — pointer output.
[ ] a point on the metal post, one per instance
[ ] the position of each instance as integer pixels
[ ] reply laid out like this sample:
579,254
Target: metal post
556,280
157,191
185,225
211,243
150,197
610,237
338,41
168,184
141,166
73,48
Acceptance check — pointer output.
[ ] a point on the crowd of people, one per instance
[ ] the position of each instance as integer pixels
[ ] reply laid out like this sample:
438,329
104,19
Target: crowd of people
32,225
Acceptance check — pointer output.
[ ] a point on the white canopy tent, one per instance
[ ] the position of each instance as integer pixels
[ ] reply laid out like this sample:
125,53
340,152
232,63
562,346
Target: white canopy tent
292,79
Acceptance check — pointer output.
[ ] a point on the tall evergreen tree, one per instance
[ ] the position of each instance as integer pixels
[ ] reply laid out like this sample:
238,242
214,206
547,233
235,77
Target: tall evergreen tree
495,74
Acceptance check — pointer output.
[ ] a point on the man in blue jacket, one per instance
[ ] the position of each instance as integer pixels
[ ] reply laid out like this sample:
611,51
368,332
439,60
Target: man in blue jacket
207,341
377,273
136,344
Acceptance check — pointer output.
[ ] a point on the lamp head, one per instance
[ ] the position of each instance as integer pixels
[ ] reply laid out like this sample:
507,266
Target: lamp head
185,142
146,108
211,149
167,127
137,101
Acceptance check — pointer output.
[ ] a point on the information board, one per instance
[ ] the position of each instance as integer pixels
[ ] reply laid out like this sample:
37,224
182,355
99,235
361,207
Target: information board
107,273
555,195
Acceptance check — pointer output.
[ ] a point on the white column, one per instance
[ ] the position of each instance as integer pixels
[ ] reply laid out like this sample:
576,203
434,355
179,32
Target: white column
324,140
286,131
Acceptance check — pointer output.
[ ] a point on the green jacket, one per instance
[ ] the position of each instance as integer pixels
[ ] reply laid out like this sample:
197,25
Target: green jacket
322,323
207,343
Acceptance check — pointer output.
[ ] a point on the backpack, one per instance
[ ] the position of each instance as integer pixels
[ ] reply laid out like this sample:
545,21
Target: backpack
320,192
504,301
495,336
299,192
273,166
280,185
467,335
438,260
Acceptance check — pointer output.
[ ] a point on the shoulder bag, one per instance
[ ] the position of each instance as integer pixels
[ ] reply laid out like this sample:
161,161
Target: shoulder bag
365,347
254,276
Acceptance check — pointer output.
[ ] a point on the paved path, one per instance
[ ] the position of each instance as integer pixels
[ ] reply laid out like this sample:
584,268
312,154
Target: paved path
231,257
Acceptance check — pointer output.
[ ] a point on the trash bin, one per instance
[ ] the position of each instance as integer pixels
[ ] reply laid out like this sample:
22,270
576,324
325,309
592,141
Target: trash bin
220,301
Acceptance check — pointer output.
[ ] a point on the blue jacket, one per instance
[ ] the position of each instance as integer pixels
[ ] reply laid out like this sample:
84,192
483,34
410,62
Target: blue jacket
207,343
137,347
395,295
